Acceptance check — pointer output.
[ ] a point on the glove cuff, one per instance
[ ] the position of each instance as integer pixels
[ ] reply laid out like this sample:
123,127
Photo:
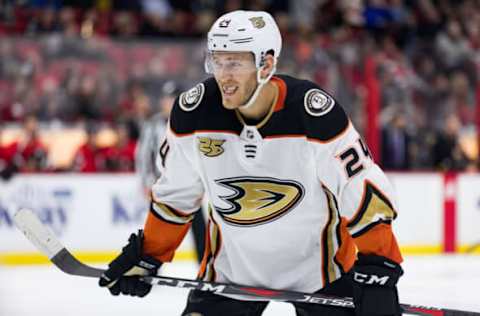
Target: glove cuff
150,264
380,261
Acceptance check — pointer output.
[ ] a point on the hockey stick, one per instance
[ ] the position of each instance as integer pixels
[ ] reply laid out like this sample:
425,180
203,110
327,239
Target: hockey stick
44,239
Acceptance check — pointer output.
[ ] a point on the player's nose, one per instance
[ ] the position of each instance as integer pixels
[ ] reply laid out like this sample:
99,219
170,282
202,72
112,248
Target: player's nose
224,73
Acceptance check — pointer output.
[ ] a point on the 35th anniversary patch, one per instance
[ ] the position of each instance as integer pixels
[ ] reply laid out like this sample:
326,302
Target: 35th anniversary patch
189,100
317,102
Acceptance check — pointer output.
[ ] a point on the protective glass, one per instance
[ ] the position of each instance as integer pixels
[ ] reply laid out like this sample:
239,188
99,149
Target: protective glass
238,63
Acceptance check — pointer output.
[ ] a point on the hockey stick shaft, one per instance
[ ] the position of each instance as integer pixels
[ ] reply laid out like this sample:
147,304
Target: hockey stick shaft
45,240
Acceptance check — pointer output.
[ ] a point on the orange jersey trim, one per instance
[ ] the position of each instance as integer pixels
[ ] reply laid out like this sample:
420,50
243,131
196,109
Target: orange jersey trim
347,252
211,253
282,93
380,241
161,238
206,253
286,136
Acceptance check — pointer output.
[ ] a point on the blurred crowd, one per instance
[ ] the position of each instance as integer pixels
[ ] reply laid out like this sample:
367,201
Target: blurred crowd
30,153
112,64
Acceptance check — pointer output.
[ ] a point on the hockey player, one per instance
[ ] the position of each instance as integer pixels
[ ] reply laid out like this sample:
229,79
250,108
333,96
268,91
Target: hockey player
296,202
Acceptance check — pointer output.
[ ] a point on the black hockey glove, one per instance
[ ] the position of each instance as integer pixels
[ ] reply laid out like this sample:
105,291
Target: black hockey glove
374,281
124,272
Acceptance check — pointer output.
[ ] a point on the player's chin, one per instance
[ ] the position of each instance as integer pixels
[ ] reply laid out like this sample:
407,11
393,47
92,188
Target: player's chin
230,103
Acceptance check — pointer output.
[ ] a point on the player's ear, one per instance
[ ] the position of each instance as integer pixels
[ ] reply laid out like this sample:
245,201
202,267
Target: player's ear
268,64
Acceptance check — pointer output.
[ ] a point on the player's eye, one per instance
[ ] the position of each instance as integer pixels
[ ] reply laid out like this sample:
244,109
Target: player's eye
234,65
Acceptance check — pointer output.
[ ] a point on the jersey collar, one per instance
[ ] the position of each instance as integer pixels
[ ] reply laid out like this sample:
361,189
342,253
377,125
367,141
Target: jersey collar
277,105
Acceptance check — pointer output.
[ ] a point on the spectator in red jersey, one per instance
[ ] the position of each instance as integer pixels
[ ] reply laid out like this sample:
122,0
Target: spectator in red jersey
8,163
88,158
33,153
121,156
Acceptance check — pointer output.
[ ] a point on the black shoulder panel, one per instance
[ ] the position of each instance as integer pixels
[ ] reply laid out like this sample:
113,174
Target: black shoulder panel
323,118
200,108
328,126
288,120
308,110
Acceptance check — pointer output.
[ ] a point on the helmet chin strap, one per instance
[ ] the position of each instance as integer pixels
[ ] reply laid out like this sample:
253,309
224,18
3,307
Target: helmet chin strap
260,83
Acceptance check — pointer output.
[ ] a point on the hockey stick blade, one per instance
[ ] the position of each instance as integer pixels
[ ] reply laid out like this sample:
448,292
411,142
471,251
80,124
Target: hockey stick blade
48,244
46,241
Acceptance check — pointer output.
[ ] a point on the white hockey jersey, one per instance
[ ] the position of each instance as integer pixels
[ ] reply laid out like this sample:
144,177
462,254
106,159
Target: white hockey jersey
292,198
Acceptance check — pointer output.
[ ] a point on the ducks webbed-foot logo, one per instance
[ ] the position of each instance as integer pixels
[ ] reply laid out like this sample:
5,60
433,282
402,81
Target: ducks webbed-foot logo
258,200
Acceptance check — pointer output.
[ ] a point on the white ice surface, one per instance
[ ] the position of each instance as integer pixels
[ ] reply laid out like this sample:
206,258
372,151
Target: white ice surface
444,281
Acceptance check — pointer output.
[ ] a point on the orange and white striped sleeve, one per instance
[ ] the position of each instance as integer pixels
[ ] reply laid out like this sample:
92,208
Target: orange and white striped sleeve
176,196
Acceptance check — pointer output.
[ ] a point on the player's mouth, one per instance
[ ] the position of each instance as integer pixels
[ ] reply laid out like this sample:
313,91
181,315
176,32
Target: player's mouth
229,90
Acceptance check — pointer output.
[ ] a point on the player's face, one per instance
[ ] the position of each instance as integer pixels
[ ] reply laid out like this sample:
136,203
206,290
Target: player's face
235,74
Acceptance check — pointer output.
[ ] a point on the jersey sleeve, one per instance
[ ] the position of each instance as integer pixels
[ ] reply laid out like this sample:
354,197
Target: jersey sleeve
363,193
176,196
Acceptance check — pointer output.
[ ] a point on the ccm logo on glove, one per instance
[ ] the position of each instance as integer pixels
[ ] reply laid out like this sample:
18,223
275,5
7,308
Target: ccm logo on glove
370,279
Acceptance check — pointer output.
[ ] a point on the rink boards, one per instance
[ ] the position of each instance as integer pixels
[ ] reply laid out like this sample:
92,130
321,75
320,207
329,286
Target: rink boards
94,214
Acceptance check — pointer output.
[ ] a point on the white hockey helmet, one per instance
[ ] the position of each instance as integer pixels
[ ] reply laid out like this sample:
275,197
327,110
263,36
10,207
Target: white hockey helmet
246,31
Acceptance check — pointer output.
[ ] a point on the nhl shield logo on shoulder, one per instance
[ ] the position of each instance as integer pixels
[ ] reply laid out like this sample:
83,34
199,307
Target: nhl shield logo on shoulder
190,99
317,102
